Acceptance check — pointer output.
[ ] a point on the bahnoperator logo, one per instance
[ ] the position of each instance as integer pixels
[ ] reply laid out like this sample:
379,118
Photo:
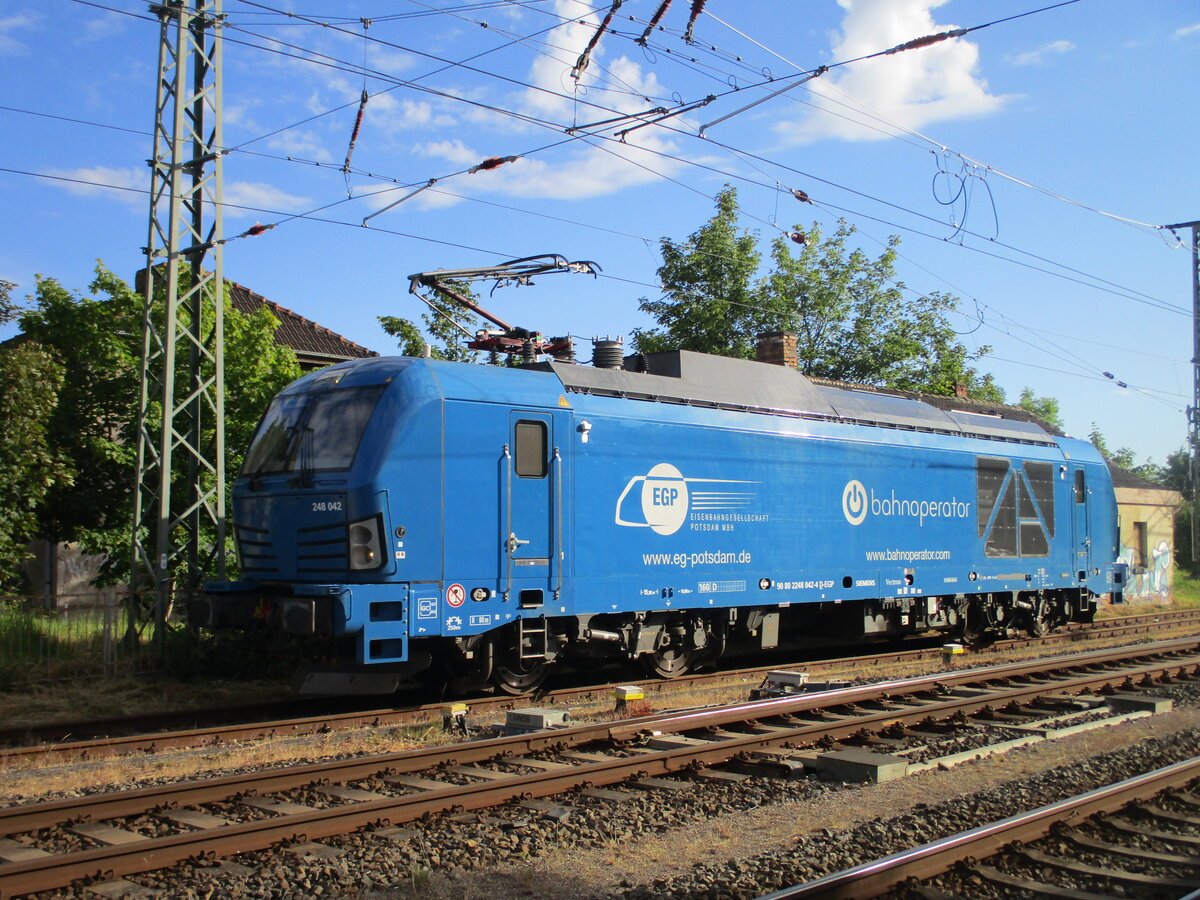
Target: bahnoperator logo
857,501
667,497
854,502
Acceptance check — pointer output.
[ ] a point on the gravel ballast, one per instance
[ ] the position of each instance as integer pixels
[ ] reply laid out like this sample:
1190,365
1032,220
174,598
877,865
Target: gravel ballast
709,840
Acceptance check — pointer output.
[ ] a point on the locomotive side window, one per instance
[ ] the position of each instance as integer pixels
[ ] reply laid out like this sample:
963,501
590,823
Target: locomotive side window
1015,507
989,476
1080,487
530,457
1032,539
1002,540
1040,476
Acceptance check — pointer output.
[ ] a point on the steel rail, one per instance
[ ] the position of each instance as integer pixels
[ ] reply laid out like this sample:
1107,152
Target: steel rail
306,826
929,860
153,853
93,807
227,734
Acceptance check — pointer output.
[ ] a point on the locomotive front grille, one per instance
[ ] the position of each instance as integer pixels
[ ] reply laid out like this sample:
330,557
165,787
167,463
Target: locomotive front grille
321,549
256,551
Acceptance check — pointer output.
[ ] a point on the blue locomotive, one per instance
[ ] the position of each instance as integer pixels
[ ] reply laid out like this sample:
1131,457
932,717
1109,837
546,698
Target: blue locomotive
482,524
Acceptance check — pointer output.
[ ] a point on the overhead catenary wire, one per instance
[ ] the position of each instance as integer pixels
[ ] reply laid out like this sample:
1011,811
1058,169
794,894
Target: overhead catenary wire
678,159
915,43
251,2
310,216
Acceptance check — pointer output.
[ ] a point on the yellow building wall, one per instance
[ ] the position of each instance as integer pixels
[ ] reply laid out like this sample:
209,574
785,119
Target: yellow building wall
1148,541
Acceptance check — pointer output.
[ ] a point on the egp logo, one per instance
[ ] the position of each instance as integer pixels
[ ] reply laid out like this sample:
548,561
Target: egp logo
854,502
666,497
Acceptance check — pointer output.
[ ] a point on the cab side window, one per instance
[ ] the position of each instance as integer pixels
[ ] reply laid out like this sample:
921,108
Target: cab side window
530,458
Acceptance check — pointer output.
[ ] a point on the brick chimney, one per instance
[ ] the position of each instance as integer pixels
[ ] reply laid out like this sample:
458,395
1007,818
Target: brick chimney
960,390
779,349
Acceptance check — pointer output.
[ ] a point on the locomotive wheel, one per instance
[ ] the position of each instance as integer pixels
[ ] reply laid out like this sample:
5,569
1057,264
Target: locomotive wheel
519,676
668,662
510,673
1037,620
975,629
513,673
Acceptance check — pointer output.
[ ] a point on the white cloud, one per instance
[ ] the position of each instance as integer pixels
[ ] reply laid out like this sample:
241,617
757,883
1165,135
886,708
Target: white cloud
913,88
1186,31
453,151
300,143
101,28
9,24
574,172
130,185
259,196
550,98
590,171
390,115
1039,55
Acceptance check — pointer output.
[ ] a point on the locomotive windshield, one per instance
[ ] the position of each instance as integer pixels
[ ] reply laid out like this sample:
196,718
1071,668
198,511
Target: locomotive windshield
314,432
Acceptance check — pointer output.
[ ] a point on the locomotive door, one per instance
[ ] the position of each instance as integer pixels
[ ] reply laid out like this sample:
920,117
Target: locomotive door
532,534
1083,541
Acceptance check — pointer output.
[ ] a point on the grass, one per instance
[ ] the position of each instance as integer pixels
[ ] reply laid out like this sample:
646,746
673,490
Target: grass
1186,593
127,695
37,645
53,667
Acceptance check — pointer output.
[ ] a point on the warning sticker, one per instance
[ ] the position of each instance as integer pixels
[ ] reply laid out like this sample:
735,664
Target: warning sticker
456,595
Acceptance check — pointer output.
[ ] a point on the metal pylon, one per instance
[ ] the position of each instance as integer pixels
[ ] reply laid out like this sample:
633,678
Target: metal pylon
179,529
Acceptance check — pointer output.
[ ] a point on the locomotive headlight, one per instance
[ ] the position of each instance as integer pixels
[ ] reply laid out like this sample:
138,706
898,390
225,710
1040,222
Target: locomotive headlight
365,553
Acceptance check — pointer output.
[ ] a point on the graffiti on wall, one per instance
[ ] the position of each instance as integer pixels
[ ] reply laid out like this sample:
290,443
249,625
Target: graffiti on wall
1152,580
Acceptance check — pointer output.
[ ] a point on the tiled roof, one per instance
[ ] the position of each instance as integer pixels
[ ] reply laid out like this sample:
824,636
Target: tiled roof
313,343
1123,478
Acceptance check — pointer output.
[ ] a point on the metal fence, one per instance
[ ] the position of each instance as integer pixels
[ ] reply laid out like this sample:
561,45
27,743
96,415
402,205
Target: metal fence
67,636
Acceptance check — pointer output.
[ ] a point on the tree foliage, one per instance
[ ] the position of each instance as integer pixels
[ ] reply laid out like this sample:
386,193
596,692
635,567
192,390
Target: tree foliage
1177,472
30,465
853,319
1045,408
448,324
1124,457
97,338
710,303
9,310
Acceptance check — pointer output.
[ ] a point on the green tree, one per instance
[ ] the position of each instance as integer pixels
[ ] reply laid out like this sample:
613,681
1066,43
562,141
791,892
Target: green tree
1123,458
1045,408
448,324
1177,472
855,323
852,317
98,339
30,465
710,303
9,310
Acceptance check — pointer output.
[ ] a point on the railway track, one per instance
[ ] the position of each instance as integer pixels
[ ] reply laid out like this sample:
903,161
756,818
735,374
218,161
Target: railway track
135,831
1088,847
64,742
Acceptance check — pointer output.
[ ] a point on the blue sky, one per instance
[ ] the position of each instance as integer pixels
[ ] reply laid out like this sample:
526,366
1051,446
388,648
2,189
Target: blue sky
1021,164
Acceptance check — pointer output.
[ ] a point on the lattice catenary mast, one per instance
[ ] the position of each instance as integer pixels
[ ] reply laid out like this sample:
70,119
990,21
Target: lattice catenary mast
1194,410
181,415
